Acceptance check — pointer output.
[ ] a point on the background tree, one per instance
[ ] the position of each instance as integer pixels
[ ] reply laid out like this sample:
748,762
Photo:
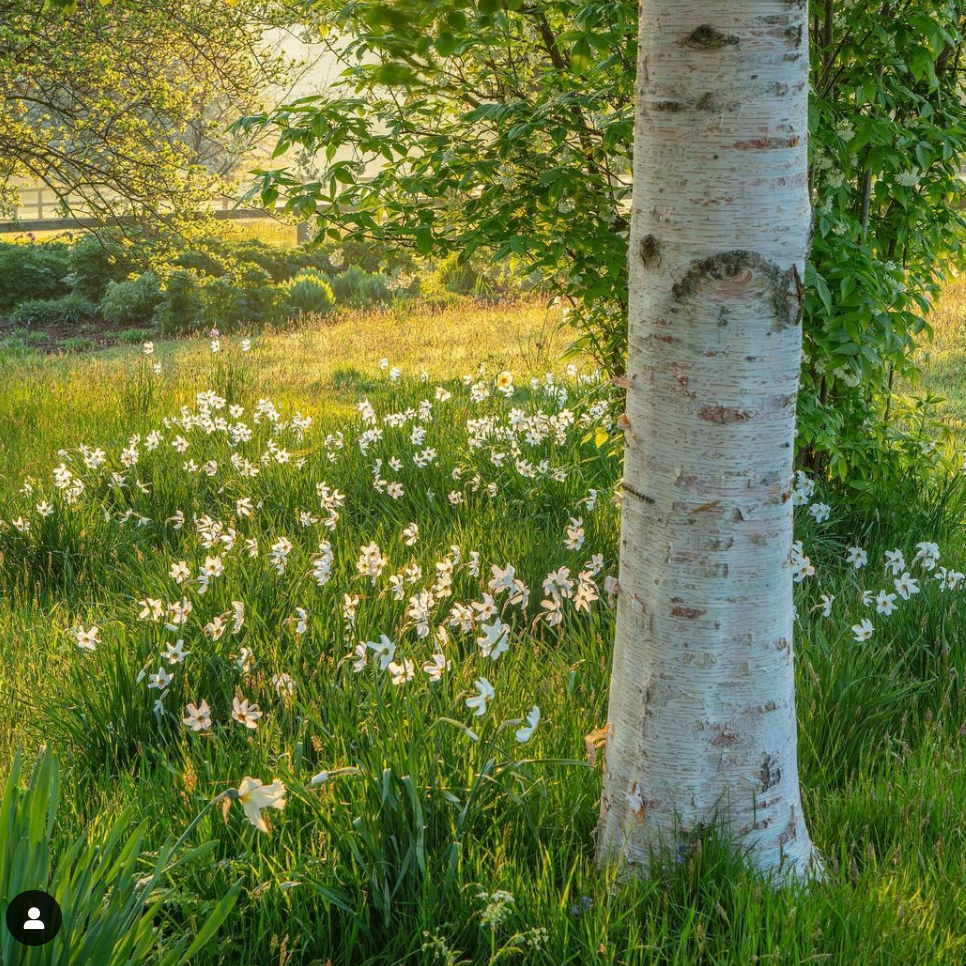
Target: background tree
506,127
123,109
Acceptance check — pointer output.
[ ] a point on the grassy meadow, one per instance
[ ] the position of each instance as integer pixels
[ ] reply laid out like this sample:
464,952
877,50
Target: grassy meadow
381,557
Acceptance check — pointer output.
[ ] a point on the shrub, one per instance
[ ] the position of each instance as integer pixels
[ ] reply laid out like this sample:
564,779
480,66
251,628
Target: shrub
206,262
219,256
67,310
97,260
374,288
357,285
181,302
127,303
307,293
134,336
33,272
463,279
242,298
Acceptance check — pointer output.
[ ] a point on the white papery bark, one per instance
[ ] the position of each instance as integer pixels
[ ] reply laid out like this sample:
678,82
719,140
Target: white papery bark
702,711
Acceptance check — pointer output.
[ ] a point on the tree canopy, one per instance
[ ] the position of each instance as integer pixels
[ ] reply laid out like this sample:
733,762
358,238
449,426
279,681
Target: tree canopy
507,127
123,108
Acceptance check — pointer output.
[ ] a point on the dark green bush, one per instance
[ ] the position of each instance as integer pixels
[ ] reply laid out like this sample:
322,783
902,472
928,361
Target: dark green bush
244,298
131,302
97,260
33,272
181,304
193,301
357,285
67,310
218,257
307,292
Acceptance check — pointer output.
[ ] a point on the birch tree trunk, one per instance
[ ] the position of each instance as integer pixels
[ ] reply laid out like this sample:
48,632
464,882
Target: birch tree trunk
702,707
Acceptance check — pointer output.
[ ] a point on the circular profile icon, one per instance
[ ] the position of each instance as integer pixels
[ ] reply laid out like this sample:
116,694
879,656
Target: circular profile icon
34,918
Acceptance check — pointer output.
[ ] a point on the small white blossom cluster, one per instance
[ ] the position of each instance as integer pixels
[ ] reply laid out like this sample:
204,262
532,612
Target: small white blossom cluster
902,585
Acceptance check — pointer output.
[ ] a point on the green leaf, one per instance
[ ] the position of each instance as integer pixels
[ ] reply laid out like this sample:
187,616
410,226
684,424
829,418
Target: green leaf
424,239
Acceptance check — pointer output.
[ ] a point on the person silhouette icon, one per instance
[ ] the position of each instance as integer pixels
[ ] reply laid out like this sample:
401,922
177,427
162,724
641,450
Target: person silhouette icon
33,918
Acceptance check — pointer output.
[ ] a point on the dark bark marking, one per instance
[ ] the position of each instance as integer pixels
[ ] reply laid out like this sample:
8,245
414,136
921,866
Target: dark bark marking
714,104
768,144
642,497
706,37
769,775
707,104
791,832
650,251
786,290
725,740
723,415
691,613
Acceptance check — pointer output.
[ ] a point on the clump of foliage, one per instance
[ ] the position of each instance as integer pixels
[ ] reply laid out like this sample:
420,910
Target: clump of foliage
33,272
888,140
97,260
181,306
131,302
357,285
66,310
307,293
507,129
242,298
112,904
192,300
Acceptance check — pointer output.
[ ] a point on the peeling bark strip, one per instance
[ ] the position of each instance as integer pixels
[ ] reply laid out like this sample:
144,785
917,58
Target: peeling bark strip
719,233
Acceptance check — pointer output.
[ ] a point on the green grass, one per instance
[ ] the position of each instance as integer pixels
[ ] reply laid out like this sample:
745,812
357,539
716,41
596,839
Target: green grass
266,230
405,853
943,359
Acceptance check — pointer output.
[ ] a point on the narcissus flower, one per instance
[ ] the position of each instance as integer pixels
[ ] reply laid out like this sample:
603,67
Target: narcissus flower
863,630
88,639
525,733
906,586
256,796
198,718
478,702
245,714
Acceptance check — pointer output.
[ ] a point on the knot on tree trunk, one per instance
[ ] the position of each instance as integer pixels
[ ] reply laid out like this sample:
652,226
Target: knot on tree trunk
745,270
706,37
